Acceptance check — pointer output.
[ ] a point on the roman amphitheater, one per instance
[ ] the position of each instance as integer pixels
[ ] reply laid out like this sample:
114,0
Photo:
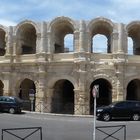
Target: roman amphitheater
35,61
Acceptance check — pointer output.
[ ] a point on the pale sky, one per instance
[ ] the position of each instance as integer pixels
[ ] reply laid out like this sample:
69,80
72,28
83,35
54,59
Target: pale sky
15,11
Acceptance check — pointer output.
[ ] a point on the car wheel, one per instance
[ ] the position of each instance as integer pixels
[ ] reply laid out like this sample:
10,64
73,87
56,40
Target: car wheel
12,110
135,117
106,117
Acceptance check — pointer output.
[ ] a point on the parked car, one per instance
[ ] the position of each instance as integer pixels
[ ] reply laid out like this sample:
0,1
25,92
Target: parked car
119,110
10,104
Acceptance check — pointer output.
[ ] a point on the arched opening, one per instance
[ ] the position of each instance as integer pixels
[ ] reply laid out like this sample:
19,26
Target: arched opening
134,34
2,43
27,39
99,43
27,87
62,36
130,46
63,97
1,88
68,43
105,93
101,32
133,90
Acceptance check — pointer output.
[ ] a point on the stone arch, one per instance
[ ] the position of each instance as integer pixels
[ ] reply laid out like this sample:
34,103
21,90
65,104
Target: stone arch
27,87
133,90
3,39
63,97
59,28
26,33
26,22
133,31
101,26
52,81
127,82
59,20
105,93
57,86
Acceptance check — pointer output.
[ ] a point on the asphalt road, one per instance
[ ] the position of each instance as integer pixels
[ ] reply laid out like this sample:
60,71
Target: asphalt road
57,127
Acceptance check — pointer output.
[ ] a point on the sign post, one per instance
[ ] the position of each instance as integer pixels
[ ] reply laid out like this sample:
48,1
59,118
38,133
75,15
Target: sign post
95,93
32,97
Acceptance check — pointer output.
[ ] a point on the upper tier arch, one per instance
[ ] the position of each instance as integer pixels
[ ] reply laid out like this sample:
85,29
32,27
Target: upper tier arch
26,22
59,20
100,25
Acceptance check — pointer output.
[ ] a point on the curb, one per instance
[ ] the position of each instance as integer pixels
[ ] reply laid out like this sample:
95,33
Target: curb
64,115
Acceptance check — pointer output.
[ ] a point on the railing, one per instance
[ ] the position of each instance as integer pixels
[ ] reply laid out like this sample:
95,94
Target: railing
110,131
61,108
21,133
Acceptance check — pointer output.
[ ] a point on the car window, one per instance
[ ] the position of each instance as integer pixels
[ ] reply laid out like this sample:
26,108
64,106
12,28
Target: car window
1,98
9,100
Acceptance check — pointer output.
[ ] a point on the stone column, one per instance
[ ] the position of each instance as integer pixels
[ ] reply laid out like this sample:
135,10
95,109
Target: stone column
48,101
41,89
122,42
114,42
82,37
9,41
76,41
38,43
6,82
120,80
81,105
43,37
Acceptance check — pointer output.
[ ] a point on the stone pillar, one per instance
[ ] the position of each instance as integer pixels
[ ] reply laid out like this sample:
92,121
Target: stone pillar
122,42
38,43
82,37
48,101
114,42
43,38
9,41
50,45
6,82
120,79
76,41
81,105
41,89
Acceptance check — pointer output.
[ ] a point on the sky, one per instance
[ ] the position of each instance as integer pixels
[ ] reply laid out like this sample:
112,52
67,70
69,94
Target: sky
121,11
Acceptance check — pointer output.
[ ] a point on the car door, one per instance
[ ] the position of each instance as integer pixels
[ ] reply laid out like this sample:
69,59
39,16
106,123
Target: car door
1,101
120,110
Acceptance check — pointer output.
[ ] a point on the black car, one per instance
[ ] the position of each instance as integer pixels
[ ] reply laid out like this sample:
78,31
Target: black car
119,110
10,104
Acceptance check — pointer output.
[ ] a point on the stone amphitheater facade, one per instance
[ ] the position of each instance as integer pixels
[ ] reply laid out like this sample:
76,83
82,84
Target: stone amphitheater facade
34,59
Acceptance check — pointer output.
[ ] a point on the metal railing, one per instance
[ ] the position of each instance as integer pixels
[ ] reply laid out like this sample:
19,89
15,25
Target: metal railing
110,131
62,108
15,133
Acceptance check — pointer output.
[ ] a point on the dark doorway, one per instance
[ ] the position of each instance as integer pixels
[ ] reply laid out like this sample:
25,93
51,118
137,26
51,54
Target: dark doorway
105,93
63,97
133,90
26,87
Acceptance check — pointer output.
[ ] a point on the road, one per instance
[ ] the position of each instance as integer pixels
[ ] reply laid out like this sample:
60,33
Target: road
58,127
